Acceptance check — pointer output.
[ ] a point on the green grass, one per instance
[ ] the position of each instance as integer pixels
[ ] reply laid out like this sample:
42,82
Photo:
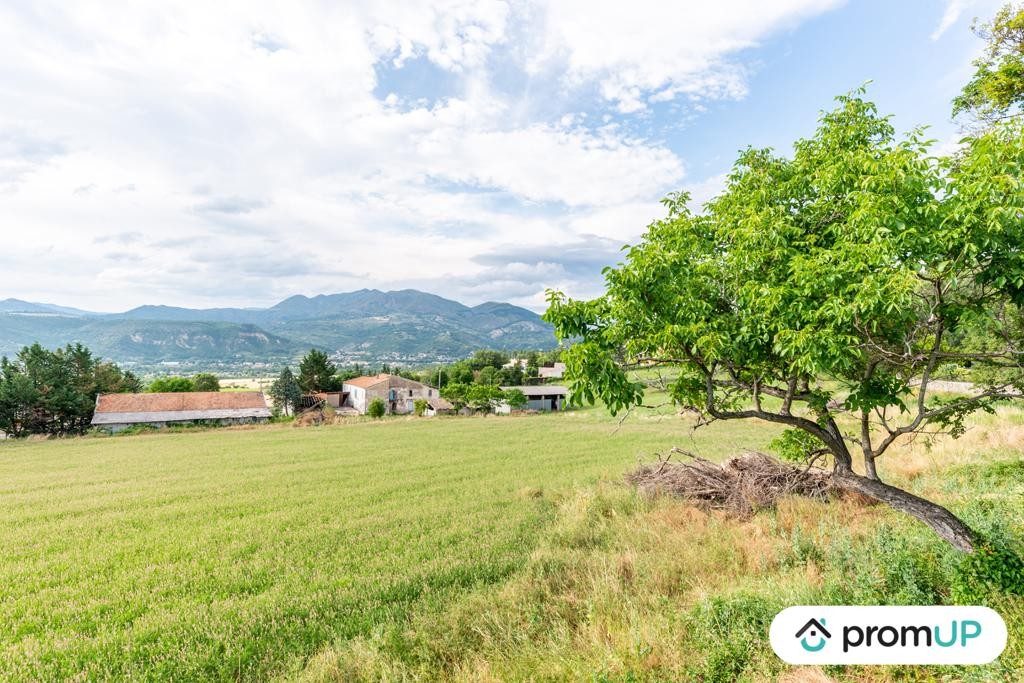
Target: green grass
479,549
626,589
228,554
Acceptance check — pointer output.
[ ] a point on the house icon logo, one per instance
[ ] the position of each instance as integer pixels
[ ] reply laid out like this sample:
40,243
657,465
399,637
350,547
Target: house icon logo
815,629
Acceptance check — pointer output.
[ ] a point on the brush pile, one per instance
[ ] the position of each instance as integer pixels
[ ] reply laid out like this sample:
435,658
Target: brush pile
741,485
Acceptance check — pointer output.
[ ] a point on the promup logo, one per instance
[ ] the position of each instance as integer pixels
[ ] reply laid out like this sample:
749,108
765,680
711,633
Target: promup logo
888,635
817,629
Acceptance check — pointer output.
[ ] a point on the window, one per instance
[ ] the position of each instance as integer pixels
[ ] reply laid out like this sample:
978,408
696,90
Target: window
410,392
430,393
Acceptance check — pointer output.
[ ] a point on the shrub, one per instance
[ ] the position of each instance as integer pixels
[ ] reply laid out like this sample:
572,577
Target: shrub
993,567
420,406
206,381
171,384
376,409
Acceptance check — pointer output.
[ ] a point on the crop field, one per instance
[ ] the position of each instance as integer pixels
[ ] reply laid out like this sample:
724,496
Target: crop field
242,553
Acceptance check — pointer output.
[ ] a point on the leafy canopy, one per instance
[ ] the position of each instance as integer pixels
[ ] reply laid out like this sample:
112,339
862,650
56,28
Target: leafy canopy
171,384
317,372
285,391
54,392
996,91
829,279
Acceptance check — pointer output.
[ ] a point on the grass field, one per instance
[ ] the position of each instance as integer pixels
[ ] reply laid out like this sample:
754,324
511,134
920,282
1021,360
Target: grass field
453,548
240,553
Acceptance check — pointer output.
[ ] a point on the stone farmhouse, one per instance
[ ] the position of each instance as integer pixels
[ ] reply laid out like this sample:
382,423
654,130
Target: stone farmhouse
398,393
120,411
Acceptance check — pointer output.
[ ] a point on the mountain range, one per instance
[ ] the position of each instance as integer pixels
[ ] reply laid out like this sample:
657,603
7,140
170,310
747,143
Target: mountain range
364,326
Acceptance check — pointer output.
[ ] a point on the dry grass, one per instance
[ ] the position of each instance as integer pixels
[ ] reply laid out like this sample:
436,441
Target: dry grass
627,587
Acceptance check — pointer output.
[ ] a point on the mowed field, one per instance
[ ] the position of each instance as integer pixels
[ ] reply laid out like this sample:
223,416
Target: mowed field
241,553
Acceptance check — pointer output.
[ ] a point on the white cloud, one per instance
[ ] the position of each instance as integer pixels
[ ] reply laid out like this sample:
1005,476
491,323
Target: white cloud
250,152
954,8
652,49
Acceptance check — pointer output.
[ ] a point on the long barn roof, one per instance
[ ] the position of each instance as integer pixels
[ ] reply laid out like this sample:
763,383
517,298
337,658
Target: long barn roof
178,406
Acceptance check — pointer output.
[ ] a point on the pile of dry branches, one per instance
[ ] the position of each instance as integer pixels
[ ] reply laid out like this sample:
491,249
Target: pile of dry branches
741,485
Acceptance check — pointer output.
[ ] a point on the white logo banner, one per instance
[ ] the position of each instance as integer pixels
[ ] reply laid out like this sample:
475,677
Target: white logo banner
887,635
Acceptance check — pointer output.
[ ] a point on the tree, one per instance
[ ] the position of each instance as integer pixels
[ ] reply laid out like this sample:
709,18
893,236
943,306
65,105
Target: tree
171,384
996,91
54,392
457,394
377,409
461,372
489,375
515,398
484,358
316,372
285,391
510,376
821,292
483,397
205,381
420,406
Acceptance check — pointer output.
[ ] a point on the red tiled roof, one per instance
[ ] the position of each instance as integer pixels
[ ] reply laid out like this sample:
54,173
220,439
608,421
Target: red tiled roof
179,401
367,381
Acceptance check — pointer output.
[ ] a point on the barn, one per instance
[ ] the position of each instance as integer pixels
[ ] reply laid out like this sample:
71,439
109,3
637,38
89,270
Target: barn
544,398
115,412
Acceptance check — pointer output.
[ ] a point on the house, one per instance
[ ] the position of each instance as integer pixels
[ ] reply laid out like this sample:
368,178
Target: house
551,370
438,406
119,411
398,393
520,363
545,397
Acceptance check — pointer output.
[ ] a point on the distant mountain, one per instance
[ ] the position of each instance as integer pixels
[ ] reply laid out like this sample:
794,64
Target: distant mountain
367,326
145,341
19,306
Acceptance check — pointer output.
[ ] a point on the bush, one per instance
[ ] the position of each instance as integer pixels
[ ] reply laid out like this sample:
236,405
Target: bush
206,381
420,406
992,568
376,409
171,385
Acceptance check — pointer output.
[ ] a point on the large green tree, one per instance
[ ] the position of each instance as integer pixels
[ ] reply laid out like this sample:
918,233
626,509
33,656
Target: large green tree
205,381
54,392
996,91
317,372
285,391
821,292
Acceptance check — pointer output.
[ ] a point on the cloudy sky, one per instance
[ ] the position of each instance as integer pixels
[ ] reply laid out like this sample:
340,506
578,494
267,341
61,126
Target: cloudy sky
235,153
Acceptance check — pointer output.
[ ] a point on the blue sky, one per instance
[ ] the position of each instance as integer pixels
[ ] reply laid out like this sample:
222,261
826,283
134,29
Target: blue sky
237,153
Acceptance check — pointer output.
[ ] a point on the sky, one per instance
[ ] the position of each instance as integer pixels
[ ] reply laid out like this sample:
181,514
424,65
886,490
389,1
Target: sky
237,153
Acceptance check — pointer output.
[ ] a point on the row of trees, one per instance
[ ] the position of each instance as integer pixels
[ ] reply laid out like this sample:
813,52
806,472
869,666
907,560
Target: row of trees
482,398
821,291
203,381
54,392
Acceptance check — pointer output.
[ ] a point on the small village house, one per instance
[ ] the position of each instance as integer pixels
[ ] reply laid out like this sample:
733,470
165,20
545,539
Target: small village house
398,393
551,371
544,398
120,411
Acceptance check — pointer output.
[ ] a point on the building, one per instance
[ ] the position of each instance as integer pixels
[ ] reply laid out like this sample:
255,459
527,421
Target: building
551,371
543,397
398,393
119,411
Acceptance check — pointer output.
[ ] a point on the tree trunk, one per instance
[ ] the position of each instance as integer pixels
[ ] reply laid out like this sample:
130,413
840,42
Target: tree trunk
943,522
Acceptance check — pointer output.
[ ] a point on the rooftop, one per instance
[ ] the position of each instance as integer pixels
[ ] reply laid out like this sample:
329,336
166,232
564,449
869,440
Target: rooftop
541,390
179,401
